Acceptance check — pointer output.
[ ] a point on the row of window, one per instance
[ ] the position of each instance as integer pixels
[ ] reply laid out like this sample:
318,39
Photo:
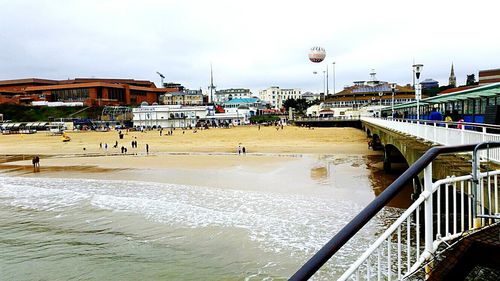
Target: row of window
376,101
70,95
116,94
469,106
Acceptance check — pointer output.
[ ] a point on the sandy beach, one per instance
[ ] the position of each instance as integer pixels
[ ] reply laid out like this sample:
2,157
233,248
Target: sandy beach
207,157
266,140
213,148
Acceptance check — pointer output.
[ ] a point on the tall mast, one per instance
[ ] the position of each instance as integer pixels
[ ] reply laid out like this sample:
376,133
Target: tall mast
211,84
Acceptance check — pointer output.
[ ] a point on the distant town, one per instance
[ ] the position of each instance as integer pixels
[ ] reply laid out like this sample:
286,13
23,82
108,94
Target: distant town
140,103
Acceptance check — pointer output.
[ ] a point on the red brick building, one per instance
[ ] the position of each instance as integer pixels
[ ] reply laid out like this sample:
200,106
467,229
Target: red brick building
489,76
90,91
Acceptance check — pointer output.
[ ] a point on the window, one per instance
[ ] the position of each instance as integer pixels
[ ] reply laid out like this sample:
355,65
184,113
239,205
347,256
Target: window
70,95
116,94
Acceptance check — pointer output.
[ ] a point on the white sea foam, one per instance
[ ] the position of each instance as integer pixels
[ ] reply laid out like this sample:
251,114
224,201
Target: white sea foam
277,221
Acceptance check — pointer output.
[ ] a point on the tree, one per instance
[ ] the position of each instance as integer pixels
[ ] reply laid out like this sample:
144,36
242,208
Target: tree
300,105
471,80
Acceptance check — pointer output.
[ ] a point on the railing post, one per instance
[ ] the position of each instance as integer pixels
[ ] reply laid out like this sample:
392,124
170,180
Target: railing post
435,133
425,131
462,135
428,214
446,134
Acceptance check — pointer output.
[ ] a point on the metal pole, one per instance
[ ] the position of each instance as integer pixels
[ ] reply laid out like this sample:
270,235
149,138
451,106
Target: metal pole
392,104
428,213
327,92
417,93
334,78
324,89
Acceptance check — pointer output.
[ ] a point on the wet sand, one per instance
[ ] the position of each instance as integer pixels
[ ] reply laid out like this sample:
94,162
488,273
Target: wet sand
204,158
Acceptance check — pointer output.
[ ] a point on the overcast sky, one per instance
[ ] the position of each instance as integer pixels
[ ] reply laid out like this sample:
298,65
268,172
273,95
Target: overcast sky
252,44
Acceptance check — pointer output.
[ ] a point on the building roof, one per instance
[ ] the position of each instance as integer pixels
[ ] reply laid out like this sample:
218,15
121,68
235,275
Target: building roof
186,93
143,83
47,82
242,100
27,81
429,80
488,71
458,89
489,90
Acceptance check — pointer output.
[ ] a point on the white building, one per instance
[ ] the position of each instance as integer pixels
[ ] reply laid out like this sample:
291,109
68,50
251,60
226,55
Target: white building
178,116
228,94
276,96
169,116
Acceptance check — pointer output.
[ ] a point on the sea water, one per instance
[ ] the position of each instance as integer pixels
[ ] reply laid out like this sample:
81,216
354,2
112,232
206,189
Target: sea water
87,229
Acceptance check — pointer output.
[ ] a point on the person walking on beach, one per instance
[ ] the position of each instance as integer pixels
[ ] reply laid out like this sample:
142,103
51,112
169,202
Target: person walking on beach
243,150
100,146
36,164
239,149
106,147
147,148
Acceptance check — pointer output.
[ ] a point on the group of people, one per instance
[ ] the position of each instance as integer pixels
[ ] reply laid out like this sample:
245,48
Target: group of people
241,150
134,143
123,149
36,163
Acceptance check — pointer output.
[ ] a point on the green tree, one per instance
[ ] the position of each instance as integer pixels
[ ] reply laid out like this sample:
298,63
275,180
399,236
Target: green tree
471,80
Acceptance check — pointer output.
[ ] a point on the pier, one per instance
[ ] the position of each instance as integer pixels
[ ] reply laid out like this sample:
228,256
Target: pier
455,211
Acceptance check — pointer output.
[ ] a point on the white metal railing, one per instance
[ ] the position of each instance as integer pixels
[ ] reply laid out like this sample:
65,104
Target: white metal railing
444,133
334,118
398,252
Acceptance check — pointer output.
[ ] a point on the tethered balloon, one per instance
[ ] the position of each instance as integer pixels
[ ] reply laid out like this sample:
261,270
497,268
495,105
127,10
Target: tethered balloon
317,54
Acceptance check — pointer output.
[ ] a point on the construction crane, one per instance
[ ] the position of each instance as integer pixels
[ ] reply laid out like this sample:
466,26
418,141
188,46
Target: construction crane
161,76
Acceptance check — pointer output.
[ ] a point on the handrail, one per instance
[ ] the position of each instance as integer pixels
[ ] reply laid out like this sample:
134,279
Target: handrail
442,122
348,231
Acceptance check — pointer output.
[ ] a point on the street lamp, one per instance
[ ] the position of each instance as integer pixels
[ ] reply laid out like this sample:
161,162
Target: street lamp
393,89
417,68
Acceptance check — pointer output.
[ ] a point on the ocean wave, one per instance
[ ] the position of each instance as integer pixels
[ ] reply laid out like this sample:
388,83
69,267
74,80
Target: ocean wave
278,222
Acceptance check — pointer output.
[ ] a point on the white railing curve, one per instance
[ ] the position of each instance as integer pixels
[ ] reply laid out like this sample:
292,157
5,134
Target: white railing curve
397,253
444,133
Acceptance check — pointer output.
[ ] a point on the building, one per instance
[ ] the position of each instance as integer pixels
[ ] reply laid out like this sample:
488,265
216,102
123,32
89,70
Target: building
452,81
186,97
308,96
276,96
370,93
246,106
429,84
168,116
178,116
89,91
233,93
489,76
476,104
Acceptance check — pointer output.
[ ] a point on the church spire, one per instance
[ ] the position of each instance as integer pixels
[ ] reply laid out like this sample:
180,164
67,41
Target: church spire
452,80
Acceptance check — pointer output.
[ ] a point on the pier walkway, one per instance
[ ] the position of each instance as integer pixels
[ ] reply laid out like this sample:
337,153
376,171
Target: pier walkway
452,219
